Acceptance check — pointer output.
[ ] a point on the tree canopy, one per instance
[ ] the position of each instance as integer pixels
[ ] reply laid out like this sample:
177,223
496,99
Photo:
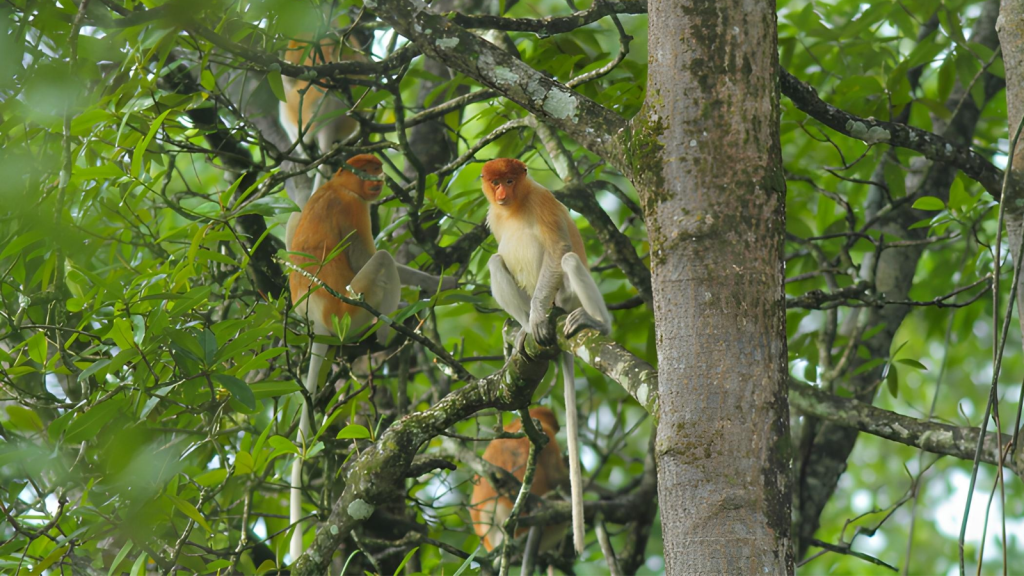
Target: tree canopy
151,360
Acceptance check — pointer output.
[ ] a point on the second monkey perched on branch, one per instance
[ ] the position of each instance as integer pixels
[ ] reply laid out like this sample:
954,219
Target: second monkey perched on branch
541,262
334,242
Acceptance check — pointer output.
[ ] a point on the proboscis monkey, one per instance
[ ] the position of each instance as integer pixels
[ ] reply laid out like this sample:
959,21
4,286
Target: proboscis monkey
489,509
338,214
307,104
541,261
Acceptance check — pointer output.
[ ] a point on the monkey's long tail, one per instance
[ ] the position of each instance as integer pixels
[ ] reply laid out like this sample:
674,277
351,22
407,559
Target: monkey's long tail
316,360
573,440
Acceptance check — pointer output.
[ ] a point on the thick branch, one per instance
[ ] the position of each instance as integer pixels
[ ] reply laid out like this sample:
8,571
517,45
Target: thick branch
590,124
932,437
871,131
380,472
641,380
322,74
603,354
552,24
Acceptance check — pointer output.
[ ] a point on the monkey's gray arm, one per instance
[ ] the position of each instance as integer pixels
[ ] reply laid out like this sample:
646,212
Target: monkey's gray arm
509,295
548,283
429,282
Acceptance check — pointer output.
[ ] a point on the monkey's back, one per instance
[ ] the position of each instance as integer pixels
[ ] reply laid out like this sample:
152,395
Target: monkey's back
489,510
332,217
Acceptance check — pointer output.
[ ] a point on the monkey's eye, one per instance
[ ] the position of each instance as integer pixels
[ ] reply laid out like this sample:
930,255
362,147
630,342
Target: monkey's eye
495,183
509,181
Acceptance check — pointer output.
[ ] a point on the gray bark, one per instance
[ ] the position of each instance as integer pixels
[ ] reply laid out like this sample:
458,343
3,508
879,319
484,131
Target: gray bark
707,162
1011,38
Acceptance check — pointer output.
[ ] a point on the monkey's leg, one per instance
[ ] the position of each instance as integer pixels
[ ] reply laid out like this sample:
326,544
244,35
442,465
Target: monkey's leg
290,227
425,280
593,313
509,295
530,552
379,284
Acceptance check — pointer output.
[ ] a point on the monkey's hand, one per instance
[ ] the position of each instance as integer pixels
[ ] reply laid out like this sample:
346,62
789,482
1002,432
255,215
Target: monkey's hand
541,328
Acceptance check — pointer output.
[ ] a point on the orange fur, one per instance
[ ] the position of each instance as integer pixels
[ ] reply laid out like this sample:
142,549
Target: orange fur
523,203
541,261
310,97
489,509
338,214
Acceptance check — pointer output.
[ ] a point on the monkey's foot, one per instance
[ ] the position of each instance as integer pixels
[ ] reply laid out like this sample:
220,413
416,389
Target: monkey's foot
520,345
578,320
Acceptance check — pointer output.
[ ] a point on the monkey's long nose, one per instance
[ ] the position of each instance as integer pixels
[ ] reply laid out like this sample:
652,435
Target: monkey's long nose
499,195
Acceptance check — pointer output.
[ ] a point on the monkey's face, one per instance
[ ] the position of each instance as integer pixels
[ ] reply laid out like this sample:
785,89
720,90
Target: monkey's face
372,189
368,190
504,190
502,177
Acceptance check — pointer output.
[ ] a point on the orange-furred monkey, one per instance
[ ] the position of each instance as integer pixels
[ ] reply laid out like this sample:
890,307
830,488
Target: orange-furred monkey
306,102
541,261
339,213
490,509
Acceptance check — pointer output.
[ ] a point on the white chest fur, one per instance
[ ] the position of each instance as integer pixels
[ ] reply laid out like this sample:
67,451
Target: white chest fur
522,250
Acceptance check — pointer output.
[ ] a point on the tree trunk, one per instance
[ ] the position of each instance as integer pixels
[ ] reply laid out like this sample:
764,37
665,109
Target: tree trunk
1011,38
709,169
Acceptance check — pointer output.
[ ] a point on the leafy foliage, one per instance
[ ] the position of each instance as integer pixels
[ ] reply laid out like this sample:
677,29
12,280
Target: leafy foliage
922,63
149,362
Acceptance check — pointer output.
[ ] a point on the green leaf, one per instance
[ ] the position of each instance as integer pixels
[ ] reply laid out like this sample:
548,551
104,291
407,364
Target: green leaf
282,444
892,381
273,389
467,563
36,346
265,567
88,425
23,419
194,297
405,560
958,196
276,85
17,245
928,203
208,343
244,463
120,556
238,388
189,510
140,148
58,425
912,364
92,369
211,477
353,431
121,333
139,568
341,326
893,175
207,80
49,560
